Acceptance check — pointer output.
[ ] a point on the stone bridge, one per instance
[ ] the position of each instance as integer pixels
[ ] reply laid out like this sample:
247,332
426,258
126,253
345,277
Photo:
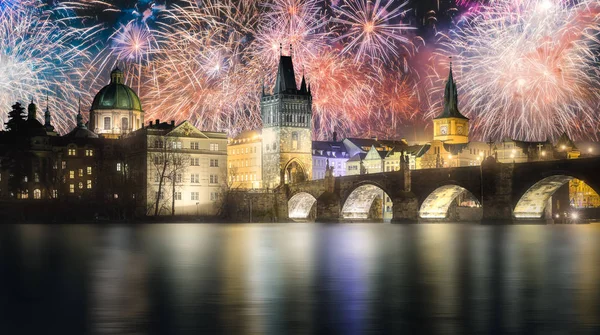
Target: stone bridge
503,192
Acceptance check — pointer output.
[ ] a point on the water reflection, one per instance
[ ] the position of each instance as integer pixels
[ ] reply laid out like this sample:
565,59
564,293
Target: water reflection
299,278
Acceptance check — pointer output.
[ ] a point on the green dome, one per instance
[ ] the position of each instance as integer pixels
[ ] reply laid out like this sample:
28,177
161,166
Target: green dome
116,95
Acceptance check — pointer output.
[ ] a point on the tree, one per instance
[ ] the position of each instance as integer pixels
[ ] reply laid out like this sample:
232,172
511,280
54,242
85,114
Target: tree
160,158
16,118
178,166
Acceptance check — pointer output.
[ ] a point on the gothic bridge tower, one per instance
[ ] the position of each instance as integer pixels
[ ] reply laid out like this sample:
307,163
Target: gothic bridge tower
287,128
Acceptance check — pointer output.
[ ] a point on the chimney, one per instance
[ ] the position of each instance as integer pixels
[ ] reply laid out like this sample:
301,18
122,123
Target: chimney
173,123
335,136
157,121
150,125
374,138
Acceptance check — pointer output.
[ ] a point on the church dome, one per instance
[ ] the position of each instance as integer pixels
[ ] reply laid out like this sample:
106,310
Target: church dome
116,95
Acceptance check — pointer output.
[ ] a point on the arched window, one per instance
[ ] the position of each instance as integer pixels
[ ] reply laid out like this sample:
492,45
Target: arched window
37,194
125,123
107,123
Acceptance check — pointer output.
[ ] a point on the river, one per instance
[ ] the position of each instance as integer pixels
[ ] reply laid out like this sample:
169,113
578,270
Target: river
299,279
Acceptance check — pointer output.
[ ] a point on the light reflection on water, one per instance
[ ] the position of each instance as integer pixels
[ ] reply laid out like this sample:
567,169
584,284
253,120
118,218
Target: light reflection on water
299,278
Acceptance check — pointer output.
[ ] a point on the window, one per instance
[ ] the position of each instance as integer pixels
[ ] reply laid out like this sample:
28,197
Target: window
37,194
214,163
176,145
125,123
72,152
71,188
118,166
36,177
107,123
214,179
194,146
80,185
178,179
157,195
214,147
156,177
214,196
89,184
195,161
80,172
71,174
64,165
158,144
195,196
89,170
194,178
89,152
294,140
177,195
55,194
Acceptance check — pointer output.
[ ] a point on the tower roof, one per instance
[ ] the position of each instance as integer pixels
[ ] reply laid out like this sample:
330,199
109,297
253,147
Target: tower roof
451,99
286,78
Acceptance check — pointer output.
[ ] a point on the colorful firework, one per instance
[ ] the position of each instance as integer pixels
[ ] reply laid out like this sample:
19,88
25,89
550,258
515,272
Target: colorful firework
526,69
40,56
369,31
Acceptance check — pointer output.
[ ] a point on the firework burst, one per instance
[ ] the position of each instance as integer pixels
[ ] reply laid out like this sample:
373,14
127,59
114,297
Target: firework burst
40,56
526,69
372,30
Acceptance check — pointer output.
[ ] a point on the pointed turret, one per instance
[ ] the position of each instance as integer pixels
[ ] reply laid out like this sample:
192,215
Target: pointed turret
80,123
286,78
451,99
303,85
47,117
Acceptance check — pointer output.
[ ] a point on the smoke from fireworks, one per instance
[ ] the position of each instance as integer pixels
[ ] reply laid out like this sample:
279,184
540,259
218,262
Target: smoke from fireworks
526,69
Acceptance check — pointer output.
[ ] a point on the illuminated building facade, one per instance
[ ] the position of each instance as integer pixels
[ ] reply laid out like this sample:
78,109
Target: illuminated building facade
244,160
178,168
287,129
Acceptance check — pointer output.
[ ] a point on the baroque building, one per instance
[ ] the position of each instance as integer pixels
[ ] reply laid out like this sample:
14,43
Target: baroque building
287,129
123,168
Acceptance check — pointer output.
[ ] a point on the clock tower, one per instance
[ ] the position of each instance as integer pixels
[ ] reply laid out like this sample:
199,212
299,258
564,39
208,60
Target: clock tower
451,126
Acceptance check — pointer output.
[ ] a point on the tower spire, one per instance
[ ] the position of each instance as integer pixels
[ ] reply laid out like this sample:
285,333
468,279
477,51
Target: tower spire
303,83
47,117
79,116
451,98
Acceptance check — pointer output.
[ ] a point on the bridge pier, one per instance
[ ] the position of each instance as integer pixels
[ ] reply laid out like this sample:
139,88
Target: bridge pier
406,208
496,191
329,207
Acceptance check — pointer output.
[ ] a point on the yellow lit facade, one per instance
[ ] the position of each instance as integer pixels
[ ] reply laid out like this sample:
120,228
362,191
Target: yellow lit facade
451,130
581,195
244,160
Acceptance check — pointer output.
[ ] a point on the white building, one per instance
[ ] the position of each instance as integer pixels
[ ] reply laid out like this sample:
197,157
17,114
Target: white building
184,169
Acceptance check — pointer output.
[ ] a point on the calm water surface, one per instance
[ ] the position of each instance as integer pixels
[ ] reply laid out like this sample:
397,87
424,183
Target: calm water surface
299,278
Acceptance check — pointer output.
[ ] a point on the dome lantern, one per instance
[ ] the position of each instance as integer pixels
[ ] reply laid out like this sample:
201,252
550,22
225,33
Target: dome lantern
116,76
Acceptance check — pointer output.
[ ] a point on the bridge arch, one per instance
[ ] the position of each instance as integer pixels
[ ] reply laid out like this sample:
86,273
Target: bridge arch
295,172
438,202
367,201
301,205
532,202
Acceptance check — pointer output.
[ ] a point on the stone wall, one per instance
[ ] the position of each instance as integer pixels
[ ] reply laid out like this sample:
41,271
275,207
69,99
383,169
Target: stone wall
260,206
